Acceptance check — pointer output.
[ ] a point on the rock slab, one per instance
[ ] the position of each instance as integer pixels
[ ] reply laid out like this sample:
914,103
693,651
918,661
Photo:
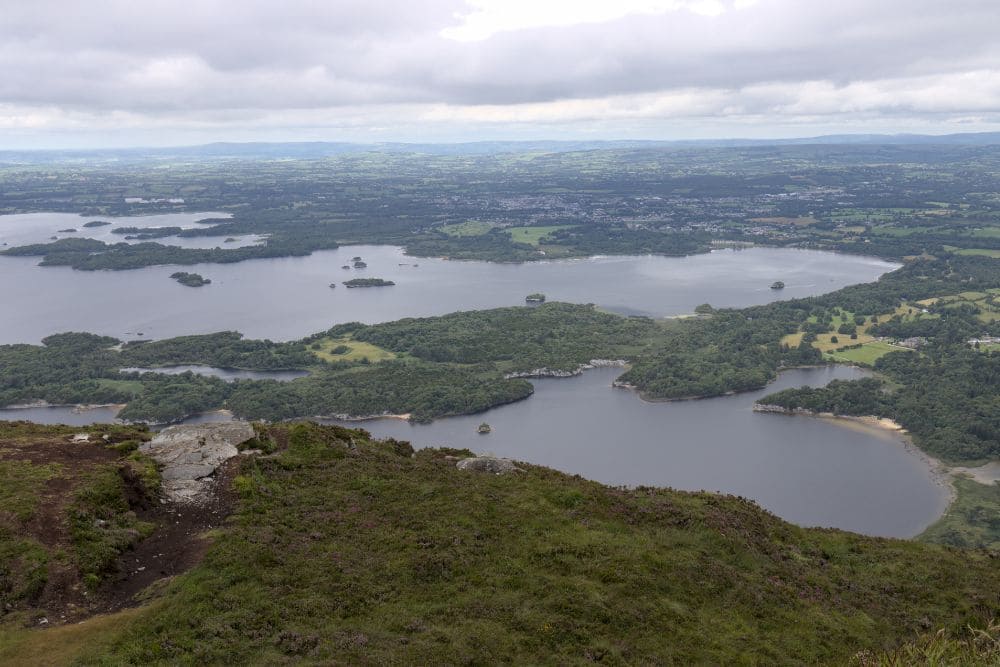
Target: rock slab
189,455
488,464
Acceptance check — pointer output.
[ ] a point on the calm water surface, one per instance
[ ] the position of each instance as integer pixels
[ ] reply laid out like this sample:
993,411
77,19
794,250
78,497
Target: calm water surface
288,298
813,472
27,228
809,471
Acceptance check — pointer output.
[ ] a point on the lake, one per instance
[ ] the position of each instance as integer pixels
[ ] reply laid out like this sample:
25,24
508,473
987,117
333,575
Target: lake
810,471
288,298
27,228
814,472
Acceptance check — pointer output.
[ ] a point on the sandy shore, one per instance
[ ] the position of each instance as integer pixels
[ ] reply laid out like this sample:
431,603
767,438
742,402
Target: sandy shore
97,406
363,418
941,473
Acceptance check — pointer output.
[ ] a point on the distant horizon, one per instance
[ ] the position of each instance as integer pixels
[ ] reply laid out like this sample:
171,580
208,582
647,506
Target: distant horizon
857,138
115,74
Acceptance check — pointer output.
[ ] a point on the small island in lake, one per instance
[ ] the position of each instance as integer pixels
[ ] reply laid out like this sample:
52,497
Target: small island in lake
484,428
190,279
368,282
96,223
358,264
70,230
537,297
777,284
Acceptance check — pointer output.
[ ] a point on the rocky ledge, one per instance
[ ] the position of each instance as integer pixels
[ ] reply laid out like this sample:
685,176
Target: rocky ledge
779,409
191,453
556,373
488,464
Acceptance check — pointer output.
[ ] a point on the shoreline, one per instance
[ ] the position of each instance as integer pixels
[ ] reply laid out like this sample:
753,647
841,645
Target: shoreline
77,408
941,474
404,416
545,372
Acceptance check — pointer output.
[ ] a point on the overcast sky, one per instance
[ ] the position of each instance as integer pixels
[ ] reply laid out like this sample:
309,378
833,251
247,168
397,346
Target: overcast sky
155,72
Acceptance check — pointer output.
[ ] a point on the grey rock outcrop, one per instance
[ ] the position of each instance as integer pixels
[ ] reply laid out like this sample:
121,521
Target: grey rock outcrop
191,453
545,372
488,464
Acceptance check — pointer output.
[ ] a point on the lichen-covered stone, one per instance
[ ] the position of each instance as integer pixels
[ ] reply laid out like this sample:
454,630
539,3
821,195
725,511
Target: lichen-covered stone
191,453
489,464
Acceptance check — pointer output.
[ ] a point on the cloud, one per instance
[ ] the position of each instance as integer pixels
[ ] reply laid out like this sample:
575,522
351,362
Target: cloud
485,65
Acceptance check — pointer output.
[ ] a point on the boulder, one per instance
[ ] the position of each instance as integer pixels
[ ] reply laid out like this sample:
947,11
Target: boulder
489,464
189,455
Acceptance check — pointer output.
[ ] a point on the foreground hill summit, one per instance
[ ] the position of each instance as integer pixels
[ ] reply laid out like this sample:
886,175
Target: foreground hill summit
339,549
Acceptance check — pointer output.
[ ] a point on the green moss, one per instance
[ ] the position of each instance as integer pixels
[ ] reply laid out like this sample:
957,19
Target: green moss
102,524
23,569
21,487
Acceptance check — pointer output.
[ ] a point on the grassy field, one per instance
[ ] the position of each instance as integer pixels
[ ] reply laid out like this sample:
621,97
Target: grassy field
468,228
801,221
871,348
989,311
987,233
357,350
133,387
792,340
533,235
984,252
64,644
824,342
867,354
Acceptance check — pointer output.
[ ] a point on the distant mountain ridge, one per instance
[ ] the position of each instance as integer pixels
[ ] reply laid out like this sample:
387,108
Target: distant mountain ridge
319,149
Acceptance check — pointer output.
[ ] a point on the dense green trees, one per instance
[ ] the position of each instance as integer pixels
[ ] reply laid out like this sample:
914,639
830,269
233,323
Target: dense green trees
226,349
457,363
190,279
948,397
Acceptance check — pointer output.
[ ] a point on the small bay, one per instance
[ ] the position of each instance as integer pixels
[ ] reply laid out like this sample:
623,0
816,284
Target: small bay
814,472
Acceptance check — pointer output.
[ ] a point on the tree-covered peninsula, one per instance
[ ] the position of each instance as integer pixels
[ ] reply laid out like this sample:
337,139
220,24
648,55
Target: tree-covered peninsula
920,328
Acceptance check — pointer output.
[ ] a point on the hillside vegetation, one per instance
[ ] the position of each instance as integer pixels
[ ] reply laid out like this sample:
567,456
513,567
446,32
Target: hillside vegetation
358,552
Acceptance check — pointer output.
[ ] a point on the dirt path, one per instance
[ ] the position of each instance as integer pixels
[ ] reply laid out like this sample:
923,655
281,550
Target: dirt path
178,544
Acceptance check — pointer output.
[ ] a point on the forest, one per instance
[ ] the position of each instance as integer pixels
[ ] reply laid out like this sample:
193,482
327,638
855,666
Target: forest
462,362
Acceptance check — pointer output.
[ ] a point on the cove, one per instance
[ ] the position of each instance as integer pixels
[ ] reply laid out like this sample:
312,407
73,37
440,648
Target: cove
813,472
